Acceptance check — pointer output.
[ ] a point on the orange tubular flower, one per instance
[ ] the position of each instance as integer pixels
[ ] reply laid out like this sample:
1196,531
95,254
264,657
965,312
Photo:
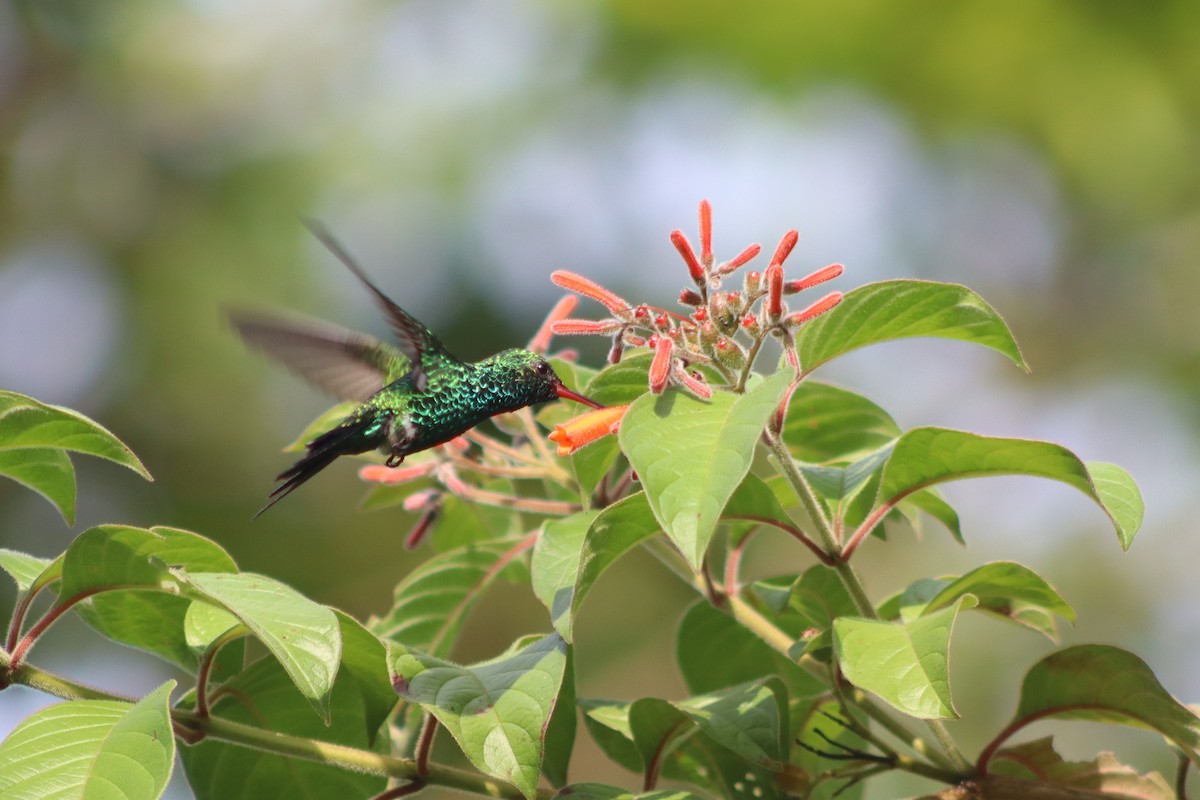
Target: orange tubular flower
390,476
706,253
816,309
774,276
820,276
587,428
589,288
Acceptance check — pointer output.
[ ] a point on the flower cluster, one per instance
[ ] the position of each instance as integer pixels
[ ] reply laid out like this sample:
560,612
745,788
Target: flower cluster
723,329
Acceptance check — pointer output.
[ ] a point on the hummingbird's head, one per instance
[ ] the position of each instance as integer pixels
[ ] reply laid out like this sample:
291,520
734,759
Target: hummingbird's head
531,371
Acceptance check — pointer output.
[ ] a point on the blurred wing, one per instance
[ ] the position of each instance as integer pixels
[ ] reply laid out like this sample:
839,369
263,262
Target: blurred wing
346,364
422,347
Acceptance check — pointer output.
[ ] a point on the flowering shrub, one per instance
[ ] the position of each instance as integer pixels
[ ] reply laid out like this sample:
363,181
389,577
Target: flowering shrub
800,683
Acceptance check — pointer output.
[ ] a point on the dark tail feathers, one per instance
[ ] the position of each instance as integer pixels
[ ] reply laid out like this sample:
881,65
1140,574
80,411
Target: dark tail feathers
346,439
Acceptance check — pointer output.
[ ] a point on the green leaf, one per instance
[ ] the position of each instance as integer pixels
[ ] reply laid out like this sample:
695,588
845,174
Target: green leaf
47,471
828,423
754,501
496,710
932,503
432,601
1010,591
302,635
265,696
702,740
23,567
926,456
1100,683
91,748
623,382
749,719
560,731
567,564
1104,775
714,651
690,455
879,312
555,566
31,432
905,663
115,555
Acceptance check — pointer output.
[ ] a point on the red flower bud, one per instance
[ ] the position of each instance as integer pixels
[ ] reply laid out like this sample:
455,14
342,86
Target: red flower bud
660,366
820,307
785,247
588,288
706,254
689,297
741,258
419,531
753,282
774,278
700,315
750,323
689,256
820,276
660,321
571,327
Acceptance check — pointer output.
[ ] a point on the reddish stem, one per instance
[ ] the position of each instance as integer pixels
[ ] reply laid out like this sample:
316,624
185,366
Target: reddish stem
22,647
205,669
425,744
650,780
825,558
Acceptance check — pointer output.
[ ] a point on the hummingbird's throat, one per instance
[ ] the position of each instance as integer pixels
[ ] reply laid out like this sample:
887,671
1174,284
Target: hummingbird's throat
567,394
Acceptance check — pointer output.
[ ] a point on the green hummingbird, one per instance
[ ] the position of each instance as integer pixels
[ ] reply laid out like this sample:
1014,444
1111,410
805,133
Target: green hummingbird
413,396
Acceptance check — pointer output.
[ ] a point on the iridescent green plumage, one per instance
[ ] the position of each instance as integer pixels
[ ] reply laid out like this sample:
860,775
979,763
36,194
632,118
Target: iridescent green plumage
413,397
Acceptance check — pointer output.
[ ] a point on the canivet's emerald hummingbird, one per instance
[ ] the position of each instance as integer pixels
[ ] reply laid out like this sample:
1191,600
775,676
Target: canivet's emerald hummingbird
413,396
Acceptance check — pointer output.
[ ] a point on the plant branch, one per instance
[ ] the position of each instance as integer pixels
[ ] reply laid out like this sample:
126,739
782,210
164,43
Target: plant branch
348,758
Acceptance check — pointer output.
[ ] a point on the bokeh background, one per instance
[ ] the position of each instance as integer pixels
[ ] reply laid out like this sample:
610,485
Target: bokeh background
156,159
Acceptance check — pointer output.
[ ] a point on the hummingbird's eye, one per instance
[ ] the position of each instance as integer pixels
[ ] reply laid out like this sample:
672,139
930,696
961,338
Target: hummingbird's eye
542,368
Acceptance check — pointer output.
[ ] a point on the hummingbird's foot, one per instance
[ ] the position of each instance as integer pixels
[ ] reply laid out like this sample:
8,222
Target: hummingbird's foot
394,460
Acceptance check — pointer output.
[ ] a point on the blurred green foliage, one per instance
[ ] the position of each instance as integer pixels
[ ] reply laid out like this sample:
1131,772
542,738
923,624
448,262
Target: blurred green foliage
177,144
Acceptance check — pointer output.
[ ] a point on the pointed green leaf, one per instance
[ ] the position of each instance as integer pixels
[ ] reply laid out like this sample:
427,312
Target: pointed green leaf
905,663
933,504
560,731
23,567
828,423
32,433
497,710
302,635
880,312
555,566
754,501
91,748
1104,775
607,722
750,719
432,601
1103,684
579,560
623,382
926,456
115,555
265,697
45,470
690,455
1011,591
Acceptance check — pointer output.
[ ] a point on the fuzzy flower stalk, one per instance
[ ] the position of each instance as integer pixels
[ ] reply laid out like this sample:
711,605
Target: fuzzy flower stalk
715,342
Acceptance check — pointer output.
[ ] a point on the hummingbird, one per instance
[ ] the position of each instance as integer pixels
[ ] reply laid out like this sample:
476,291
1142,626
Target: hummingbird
413,396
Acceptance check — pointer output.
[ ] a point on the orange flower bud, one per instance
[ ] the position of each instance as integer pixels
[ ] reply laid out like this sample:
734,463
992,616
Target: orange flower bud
820,276
391,476
741,258
774,278
571,327
661,364
541,341
820,307
785,247
587,428
706,254
588,288
689,256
